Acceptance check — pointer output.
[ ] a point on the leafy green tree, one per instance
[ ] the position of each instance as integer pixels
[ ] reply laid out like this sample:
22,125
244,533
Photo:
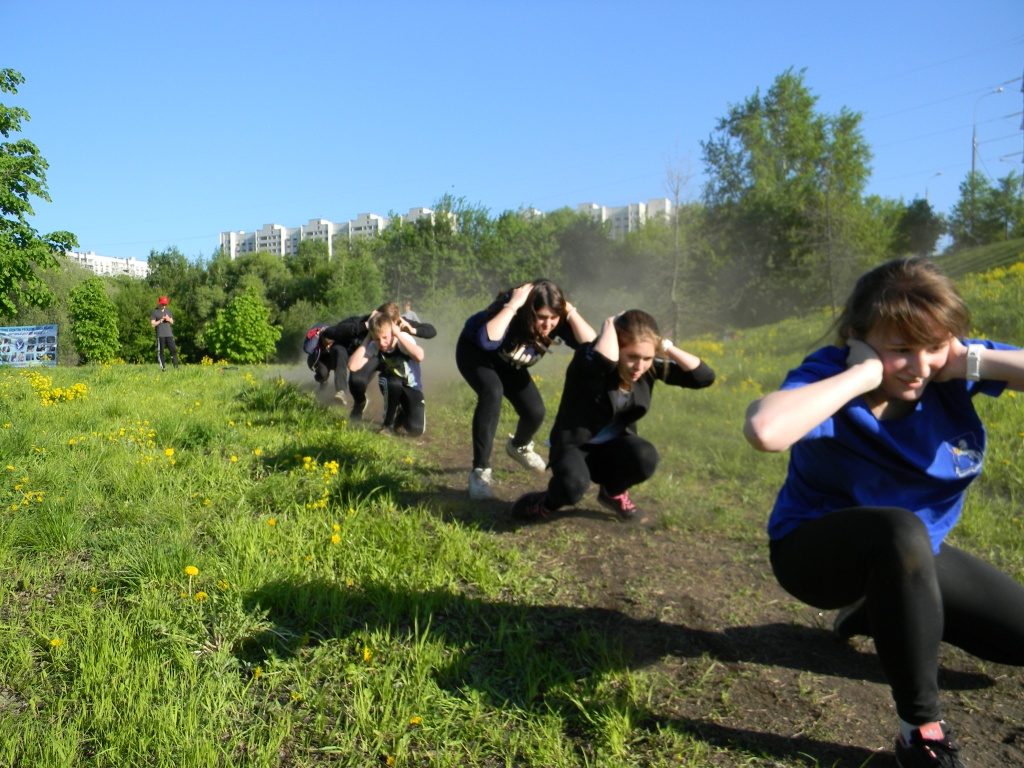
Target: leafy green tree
986,213
919,229
783,192
93,322
242,331
133,302
22,177
355,285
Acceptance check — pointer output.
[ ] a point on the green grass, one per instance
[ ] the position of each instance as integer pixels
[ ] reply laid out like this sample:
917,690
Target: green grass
326,623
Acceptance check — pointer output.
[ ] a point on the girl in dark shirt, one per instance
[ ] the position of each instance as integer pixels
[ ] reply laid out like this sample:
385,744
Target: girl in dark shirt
608,388
494,352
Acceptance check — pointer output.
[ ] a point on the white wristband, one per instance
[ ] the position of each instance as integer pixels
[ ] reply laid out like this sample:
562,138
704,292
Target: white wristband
974,362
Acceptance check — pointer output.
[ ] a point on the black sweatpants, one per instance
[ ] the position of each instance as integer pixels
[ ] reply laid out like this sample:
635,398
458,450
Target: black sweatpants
403,406
617,465
162,343
492,378
913,598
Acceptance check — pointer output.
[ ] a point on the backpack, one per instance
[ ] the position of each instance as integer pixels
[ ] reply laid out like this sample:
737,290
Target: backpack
312,341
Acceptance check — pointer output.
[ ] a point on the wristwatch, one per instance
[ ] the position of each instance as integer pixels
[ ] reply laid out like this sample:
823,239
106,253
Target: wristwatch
974,362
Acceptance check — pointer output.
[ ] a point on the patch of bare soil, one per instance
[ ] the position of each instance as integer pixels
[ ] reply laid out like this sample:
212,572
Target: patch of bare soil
737,663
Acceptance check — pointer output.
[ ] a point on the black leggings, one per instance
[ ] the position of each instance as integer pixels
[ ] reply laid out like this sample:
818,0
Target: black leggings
492,379
166,342
913,598
336,359
617,465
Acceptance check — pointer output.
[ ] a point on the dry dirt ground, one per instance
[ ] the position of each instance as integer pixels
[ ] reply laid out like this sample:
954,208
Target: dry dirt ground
738,664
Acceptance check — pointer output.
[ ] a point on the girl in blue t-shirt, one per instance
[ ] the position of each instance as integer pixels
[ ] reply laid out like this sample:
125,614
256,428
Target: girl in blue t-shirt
884,441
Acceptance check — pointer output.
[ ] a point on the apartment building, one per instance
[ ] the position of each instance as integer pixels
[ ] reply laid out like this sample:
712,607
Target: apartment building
109,265
284,241
630,217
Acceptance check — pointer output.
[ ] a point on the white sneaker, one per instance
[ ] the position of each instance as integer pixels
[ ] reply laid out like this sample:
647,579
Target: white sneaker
525,455
480,484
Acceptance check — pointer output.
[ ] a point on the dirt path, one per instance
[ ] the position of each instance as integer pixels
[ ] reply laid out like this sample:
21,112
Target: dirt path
736,662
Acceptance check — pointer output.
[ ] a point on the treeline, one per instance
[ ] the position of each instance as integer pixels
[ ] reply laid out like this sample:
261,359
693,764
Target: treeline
782,226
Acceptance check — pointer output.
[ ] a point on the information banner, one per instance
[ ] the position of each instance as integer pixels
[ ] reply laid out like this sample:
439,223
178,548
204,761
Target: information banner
23,346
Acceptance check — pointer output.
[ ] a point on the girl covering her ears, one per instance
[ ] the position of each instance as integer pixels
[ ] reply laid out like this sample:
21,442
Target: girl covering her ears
884,441
392,351
608,388
494,353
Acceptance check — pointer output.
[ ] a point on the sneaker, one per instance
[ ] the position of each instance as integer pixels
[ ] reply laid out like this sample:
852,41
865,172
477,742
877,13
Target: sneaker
480,484
621,505
525,455
530,506
848,621
342,397
930,745
386,431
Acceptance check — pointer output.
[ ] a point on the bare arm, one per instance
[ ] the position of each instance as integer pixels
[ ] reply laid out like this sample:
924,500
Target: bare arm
995,365
497,326
580,328
779,419
607,344
685,360
408,345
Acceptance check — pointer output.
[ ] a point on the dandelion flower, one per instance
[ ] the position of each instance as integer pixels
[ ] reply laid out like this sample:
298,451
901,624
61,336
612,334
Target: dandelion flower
222,584
94,589
168,452
56,642
335,538
233,459
271,521
415,720
201,596
257,673
367,654
389,760
336,527
191,570
257,451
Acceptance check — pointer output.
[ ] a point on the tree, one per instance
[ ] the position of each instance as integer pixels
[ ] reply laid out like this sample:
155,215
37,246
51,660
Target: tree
242,332
93,322
919,229
133,302
22,177
985,213
783,193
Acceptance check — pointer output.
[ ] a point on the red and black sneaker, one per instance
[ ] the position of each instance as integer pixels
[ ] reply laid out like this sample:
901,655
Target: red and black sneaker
930,745
621,504
530,506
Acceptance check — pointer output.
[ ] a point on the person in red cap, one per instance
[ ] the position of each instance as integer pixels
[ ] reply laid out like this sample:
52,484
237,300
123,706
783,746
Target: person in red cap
162,320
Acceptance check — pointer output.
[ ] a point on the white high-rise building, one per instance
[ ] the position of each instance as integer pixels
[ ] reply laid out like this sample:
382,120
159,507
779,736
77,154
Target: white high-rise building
284,241
628,218
109,265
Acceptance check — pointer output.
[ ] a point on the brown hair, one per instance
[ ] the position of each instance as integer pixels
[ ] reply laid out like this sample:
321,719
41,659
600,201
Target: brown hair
635,325
545,295
911,296
390,310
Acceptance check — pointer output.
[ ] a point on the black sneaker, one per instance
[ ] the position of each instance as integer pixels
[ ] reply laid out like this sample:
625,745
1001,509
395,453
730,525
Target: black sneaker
930,746
530,506
620,504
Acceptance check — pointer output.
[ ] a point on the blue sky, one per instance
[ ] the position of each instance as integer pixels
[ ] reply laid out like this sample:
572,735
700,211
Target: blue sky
165,124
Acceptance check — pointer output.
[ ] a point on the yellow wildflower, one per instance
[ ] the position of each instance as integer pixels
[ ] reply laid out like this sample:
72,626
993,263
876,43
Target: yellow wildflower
367,654
168,452
335,538
201,596
257,451
233,459
191,570
271,521
56,642
415,720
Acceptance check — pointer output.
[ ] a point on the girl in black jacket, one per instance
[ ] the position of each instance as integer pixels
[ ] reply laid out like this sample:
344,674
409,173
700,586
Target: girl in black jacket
608,388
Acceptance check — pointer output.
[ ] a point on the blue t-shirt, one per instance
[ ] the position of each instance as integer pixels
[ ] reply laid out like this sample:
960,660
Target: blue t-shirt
923,461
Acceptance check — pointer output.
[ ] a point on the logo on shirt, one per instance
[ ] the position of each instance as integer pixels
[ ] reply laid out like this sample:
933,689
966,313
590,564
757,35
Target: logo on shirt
967,461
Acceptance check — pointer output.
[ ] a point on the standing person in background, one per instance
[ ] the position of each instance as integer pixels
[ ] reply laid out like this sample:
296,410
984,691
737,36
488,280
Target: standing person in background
408,313
162,320
392,351
494,353
884,442
608,388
